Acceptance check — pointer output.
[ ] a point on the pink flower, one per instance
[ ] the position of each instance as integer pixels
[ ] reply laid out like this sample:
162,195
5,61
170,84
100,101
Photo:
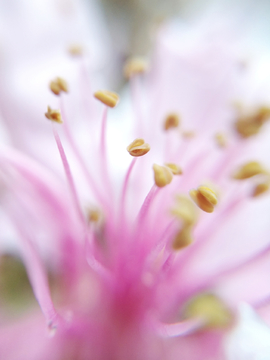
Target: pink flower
141,271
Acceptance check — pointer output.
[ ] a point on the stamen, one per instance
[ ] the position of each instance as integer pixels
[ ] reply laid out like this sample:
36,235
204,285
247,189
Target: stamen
183,238
138,148
211,309
221,140
172,121
182,328
75,50
69,177
247,126
163,175
107,97
249,170
124,194
185,210
188,134
260,189
175,169
135,66
54,115
58,85
36,272
205,198
93,215
87,174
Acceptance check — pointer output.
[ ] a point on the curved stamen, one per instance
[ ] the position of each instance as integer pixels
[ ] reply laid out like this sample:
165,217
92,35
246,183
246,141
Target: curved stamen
90,259
182,328
103,154
36,273
87,175
124,190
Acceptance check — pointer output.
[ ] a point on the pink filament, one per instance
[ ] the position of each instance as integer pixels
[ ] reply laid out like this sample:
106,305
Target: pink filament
124,190
182,328
69,176
103,154
89,178
95,265
37,275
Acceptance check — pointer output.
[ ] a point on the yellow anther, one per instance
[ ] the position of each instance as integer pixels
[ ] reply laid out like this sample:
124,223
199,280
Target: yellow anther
75,50
208,194
260,189
93,215
211,309
248,170
188,134
221,140
135,66
58,85
183,238
172,121
107,97
185,210
247,126
54,115
175,169
163,175
205,198
138,148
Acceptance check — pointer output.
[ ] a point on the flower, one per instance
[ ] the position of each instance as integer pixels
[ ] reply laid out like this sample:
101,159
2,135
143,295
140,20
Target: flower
151,263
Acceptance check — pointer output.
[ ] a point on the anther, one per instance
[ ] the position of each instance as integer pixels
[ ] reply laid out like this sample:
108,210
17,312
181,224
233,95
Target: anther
107,97
249,170
58,85
221,140
75,50
93,216
134,66
185,210
54,115
211,309
182,239
163,175
247,126
260,189
175,169
188,134
172,121
138,148
205,198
